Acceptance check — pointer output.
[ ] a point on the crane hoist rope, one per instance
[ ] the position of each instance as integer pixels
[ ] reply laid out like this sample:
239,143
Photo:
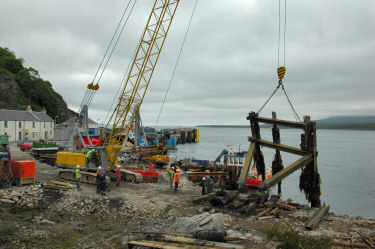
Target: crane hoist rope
90,94
139,77
81,125
175,66
281,70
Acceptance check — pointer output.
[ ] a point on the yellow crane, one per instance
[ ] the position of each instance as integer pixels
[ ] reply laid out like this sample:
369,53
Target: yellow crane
133,92
139,77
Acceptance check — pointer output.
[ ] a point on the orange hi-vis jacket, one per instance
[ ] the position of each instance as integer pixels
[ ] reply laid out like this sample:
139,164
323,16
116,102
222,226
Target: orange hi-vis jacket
177,177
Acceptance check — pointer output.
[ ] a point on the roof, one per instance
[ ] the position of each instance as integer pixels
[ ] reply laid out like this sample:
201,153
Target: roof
15,115
73,120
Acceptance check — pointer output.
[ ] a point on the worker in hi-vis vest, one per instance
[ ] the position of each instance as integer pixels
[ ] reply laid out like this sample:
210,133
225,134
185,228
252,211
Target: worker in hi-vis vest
78,176
176,180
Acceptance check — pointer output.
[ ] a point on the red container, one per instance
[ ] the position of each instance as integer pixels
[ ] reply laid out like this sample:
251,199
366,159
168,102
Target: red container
23,169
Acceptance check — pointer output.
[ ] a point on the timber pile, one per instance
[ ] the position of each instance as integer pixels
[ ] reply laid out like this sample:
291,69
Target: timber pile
27,197
164,241
58,185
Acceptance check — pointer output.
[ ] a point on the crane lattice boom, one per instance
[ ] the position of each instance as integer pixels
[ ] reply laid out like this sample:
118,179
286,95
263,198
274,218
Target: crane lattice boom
139,76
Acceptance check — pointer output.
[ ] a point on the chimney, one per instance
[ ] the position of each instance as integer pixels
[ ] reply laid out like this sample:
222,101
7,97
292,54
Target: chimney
28,108
44,110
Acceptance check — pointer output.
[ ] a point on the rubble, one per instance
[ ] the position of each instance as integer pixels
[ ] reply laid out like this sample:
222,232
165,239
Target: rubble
38,217
27,197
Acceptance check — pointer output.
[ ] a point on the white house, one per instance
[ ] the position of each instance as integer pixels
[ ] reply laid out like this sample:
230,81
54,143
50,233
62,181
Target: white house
26,125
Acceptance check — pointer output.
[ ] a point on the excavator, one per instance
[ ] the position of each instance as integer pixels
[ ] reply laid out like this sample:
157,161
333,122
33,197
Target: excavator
120,123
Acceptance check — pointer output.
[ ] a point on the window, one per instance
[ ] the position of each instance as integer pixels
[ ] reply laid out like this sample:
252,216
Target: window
5,124
33,135
33,124
241,160
19,124
51,124
44,125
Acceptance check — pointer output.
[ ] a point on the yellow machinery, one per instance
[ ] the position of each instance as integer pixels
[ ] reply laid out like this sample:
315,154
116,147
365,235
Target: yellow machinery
137,82
134,90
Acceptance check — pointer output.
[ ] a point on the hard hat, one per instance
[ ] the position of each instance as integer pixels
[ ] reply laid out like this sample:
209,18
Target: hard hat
178,170
77,166
99,167
172,167
204,178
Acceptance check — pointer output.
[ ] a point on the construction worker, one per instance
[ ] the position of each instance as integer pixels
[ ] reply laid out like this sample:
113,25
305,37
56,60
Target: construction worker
98,173
88,157
203,185
78,176
118,176
177,180
171,176
102,182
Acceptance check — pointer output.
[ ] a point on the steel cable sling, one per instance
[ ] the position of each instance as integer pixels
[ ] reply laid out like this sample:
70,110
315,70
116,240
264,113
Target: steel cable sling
281,69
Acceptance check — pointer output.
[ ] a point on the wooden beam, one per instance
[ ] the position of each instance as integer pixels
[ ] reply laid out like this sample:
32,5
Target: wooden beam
280,122
317,217
280,147
246,165
192,241
285,172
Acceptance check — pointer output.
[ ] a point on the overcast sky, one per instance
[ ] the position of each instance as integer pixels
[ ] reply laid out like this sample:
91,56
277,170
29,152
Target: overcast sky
228,64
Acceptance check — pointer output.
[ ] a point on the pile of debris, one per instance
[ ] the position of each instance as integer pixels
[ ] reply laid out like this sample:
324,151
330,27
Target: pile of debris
206,230
27,197
74,204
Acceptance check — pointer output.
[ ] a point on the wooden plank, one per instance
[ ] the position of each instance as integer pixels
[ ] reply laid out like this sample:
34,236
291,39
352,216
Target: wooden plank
202,198
316,218
192,241
281,147
178,245
285,172
59,183
281,122
246,165
285,206
262,213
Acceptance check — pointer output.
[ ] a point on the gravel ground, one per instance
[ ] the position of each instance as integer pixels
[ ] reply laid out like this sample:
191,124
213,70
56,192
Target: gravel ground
84,219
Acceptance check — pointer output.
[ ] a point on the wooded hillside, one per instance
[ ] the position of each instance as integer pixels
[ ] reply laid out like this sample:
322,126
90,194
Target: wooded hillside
21,87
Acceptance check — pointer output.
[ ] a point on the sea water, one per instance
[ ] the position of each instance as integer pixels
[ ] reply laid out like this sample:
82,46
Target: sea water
345,163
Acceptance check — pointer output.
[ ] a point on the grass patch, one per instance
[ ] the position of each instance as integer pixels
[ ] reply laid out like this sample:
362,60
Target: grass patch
288,238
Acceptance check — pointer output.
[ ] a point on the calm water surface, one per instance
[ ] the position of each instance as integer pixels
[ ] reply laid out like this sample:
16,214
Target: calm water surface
345,162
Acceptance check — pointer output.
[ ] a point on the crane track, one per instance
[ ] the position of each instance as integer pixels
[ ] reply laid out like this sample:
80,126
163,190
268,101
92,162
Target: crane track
90,178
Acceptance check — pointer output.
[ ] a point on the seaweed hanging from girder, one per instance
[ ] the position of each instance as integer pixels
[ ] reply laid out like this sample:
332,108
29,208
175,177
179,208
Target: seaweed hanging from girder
259,162
277,165
309,183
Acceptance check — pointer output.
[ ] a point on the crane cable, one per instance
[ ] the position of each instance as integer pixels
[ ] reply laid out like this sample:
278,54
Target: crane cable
90,94
176,64
281,69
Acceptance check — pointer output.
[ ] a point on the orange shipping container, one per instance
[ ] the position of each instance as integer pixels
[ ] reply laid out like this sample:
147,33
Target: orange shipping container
23,169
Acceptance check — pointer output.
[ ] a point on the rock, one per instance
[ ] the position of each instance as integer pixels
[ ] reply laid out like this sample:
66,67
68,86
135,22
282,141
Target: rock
47,222
7,201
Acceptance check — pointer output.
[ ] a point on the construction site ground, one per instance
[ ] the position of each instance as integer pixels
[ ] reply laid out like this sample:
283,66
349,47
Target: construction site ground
84,219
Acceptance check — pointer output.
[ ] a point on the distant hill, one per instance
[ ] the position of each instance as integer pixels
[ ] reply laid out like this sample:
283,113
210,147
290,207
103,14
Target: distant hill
336,122
21,87
347,123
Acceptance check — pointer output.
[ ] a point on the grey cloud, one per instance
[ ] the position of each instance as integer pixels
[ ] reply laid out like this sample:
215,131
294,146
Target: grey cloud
228,65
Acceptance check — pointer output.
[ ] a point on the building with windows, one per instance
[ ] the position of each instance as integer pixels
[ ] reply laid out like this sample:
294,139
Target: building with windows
26,125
